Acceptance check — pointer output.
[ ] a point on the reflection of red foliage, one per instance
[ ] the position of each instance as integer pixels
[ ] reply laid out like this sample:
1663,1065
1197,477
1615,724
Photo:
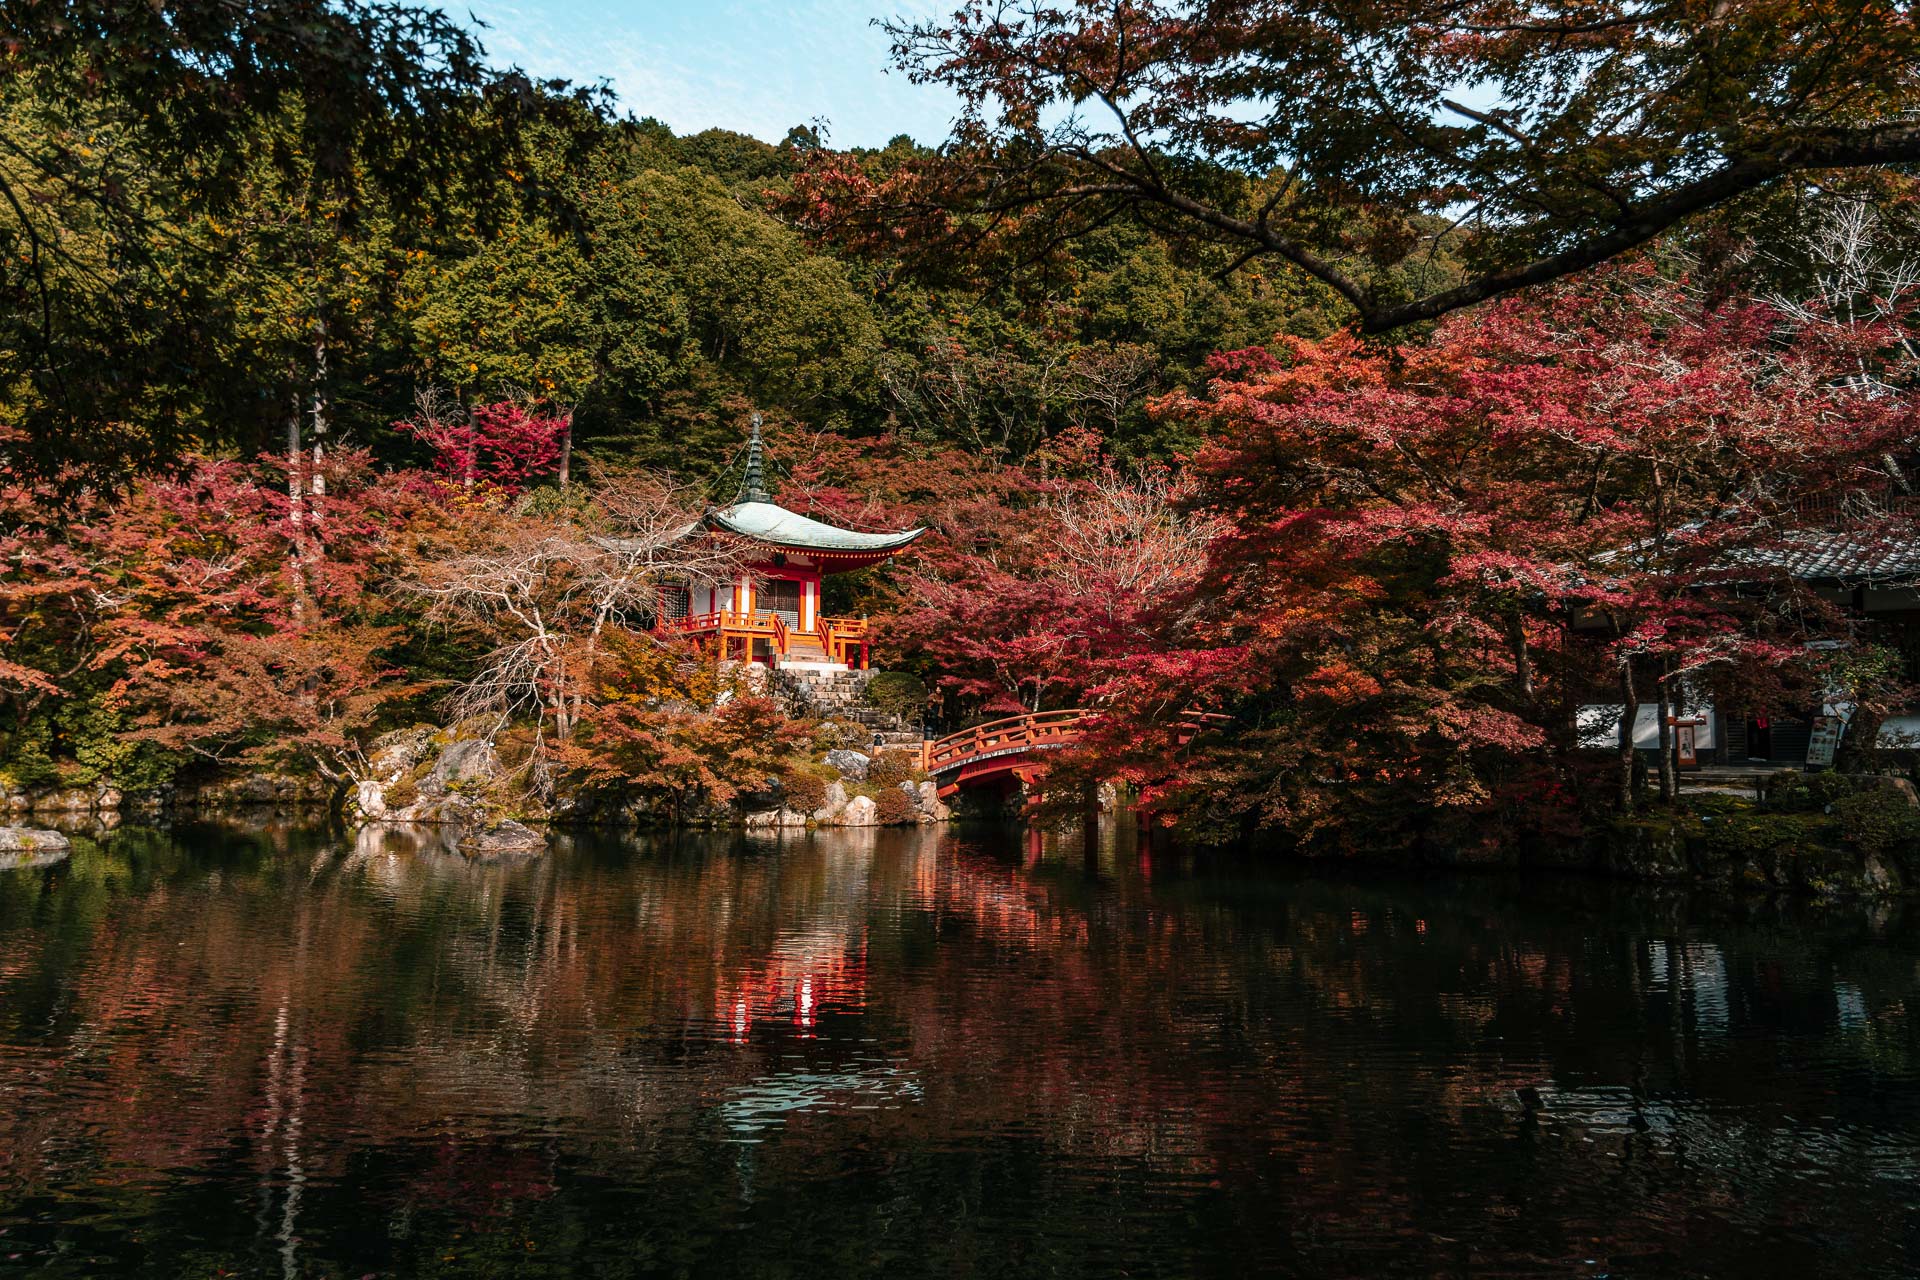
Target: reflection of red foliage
487,1184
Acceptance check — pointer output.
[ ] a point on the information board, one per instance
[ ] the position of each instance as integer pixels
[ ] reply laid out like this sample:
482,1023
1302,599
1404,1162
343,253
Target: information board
1824,739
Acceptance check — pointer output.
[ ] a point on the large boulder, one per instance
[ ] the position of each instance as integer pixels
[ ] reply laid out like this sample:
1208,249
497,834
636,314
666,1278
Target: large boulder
394,755
927,797
370,797
851,764
507,837
31,847
32,840
770,819
861,811
829,810
1880,875
441,810
466,764
1900,787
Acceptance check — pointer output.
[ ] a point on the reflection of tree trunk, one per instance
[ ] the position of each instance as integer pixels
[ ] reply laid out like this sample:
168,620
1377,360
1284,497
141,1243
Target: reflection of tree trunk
296,1170
1090,824
285,1121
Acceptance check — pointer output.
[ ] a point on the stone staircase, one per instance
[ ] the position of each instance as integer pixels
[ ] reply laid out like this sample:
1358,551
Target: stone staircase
841,695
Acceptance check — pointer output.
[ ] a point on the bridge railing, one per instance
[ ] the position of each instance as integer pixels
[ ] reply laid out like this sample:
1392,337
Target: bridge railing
1033,732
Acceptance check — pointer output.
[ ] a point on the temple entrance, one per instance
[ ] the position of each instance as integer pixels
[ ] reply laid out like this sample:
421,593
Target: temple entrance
782,596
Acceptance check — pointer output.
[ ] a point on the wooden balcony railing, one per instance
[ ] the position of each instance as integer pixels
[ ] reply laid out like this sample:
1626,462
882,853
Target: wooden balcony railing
843,639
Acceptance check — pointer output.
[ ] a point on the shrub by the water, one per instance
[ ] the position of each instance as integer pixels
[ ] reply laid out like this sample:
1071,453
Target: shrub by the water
804,791
894,805
1876,819
841,735
890,769
1828,788
1787,792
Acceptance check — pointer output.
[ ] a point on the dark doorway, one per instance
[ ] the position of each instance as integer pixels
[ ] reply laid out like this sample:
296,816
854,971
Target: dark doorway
782,596
1759,737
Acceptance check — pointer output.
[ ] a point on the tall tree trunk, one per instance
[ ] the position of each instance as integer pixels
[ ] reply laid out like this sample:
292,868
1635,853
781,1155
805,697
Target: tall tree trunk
296,514
1629,712
1668,782
1522,656
566,452
318,485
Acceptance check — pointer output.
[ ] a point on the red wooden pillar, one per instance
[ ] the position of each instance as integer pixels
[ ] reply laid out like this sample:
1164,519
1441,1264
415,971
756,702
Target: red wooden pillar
863,655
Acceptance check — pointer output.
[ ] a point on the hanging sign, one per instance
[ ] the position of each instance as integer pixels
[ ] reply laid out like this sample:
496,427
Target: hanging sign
1686,741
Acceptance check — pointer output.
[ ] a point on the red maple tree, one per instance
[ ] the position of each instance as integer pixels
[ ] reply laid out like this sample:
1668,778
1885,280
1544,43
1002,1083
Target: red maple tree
504,446
1432,555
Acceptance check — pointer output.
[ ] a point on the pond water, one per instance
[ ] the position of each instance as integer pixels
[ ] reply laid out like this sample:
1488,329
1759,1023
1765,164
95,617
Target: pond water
933,1053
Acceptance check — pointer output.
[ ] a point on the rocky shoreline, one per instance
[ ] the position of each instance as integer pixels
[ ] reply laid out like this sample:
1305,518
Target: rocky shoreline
428,776
1861,841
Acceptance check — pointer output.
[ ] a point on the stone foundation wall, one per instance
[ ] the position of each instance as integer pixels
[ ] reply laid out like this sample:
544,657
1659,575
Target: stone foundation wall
1792,853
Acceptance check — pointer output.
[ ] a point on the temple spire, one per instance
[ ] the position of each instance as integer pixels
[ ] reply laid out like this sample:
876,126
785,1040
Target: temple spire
753,486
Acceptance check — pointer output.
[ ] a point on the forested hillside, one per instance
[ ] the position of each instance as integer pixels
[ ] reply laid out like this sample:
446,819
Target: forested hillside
313,319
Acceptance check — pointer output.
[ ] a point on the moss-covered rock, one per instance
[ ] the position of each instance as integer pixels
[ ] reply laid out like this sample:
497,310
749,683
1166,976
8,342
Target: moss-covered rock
1864,847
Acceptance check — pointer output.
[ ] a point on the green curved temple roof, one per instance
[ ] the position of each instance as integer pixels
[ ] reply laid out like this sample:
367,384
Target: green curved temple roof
767,522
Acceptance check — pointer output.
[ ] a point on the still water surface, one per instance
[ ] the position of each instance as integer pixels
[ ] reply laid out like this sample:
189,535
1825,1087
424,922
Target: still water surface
931,1054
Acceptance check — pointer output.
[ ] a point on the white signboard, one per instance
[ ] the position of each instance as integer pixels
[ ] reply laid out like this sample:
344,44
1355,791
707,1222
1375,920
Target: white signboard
1824,739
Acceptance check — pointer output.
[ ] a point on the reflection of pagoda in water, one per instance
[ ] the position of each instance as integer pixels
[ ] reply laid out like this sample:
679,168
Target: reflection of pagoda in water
815,963
807,974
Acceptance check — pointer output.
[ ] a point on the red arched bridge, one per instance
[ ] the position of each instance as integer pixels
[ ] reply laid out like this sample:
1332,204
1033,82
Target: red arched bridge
999,753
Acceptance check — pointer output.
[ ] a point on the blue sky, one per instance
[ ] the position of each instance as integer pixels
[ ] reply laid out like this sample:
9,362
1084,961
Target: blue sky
756,66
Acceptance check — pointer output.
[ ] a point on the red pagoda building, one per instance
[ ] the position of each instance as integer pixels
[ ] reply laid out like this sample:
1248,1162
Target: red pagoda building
771,611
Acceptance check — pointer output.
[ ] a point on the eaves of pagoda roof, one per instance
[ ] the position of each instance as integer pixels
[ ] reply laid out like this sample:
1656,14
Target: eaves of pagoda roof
774,525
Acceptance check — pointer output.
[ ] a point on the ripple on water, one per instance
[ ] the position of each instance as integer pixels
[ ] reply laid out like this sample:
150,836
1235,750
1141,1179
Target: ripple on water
911,1054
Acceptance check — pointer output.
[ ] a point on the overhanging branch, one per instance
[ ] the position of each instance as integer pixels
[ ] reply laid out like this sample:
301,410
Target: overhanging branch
1635,225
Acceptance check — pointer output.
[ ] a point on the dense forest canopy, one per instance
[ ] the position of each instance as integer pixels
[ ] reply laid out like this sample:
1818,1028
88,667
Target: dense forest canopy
212,218
331,354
